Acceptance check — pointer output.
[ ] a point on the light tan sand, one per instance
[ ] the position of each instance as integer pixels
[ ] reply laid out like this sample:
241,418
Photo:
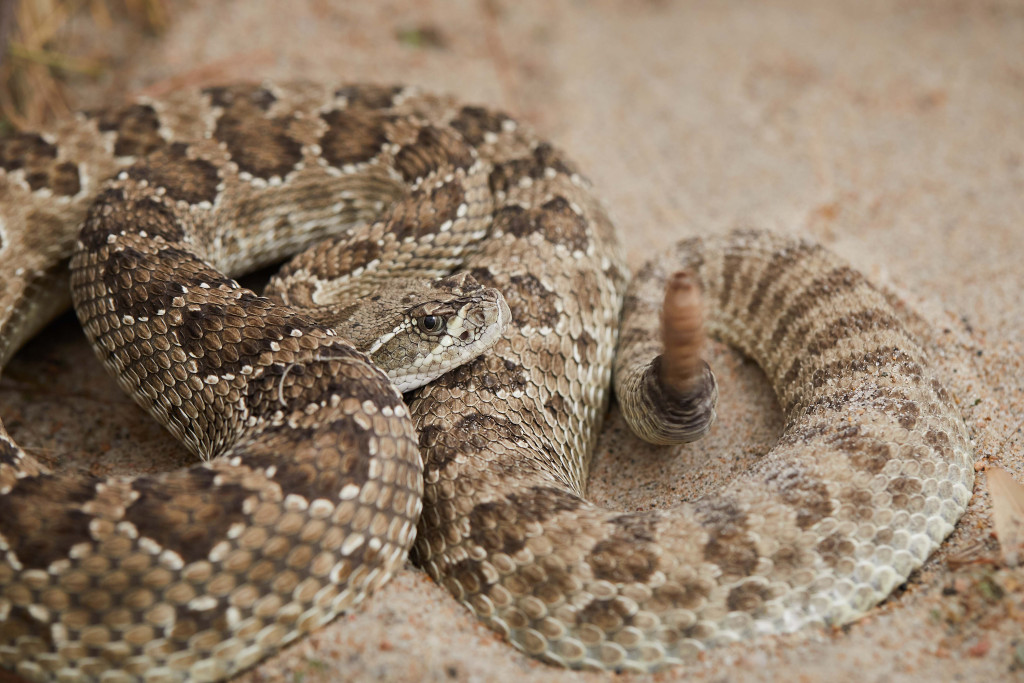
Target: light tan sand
891,131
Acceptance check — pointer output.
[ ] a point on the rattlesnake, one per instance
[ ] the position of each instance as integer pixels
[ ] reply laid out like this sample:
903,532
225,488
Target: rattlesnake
310,498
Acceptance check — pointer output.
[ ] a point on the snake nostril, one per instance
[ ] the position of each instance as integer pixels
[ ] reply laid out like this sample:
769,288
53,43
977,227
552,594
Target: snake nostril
465,336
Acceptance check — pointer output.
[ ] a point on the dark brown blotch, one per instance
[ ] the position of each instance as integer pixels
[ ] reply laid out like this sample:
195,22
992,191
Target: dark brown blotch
735,554
721,516
850,325
37,157
434,149
561,225
507,175
39,539
729,545
866,453
188,621
749,597
904,490
808,497
229,96
113,212
679,593
352,137
139,297
940,391
856,504
790,556
500,525
557,408
259,144
515,220
551,585
333,258
358,254
136,126
369,96
441,445
907,414
555,220
939,441
424,212
530,302
608,615
26,150
182,178
484,276
469,575
833,548
489,373
627,555
473,123
341,439
65,180
190,531
586,348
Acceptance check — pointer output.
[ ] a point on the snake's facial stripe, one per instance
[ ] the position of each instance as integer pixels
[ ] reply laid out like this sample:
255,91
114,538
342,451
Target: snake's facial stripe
385,339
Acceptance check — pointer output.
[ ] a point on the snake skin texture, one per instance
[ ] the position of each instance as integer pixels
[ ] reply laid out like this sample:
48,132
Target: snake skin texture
312,485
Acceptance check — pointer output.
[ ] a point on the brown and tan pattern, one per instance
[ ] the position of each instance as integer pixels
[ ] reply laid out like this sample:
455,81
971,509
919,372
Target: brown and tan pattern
310,482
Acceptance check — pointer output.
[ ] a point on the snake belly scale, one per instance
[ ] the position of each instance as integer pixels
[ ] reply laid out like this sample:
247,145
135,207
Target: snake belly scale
309,488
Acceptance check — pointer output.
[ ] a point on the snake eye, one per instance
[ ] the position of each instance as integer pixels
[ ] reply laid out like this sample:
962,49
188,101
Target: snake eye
431,324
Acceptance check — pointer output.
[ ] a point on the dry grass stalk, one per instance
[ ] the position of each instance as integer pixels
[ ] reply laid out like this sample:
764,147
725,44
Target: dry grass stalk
34,63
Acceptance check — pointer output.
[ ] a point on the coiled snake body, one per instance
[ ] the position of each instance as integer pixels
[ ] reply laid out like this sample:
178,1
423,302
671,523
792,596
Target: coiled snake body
311,488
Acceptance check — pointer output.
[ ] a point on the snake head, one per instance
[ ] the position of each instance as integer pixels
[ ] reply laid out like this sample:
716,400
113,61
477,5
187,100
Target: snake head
447,324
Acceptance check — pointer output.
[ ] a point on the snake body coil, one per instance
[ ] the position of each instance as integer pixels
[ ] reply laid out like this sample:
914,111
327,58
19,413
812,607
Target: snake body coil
311,490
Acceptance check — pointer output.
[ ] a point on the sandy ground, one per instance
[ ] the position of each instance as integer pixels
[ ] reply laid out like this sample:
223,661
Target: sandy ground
890,131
